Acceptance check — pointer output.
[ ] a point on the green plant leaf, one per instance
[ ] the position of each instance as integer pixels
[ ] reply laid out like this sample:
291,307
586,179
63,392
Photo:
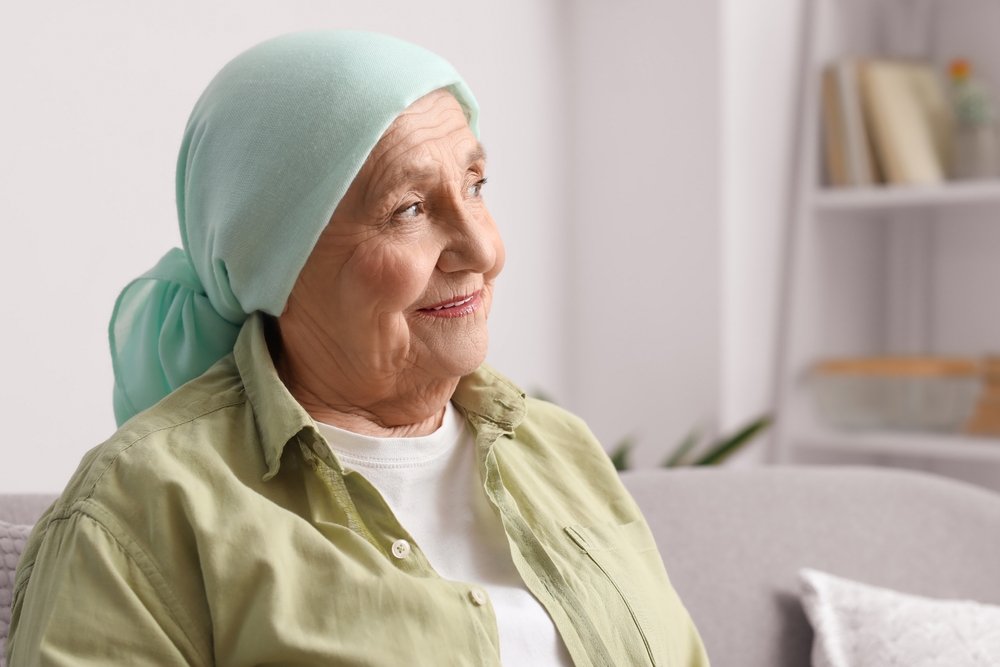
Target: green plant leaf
620,456
676,458
724,448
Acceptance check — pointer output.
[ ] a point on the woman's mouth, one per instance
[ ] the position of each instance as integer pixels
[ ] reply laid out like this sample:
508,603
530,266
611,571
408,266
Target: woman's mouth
459,307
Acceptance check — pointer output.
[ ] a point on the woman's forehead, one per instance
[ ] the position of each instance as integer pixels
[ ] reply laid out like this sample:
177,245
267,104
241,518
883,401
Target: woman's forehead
422,142
434,117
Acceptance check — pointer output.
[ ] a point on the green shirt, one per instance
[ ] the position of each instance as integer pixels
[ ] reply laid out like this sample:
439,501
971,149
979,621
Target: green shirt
218,528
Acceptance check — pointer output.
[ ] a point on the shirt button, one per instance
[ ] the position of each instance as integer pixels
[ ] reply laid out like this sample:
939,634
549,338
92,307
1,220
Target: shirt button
478,596
400,549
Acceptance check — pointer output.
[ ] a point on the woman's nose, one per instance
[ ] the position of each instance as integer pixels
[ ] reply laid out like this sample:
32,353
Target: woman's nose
473,241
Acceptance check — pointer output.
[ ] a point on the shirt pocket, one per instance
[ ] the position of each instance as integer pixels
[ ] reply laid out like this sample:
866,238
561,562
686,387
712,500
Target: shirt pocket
626,557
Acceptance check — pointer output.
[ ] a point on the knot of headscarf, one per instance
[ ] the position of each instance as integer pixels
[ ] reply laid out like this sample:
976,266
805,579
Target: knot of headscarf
269,151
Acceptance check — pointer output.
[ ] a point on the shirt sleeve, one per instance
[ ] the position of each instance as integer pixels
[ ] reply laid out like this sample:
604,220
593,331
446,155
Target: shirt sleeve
89,602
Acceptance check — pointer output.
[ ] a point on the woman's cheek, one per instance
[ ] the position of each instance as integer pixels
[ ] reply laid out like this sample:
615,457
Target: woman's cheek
394,281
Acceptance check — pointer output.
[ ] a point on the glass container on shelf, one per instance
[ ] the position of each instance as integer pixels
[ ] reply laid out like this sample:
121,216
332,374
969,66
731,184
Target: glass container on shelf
908,393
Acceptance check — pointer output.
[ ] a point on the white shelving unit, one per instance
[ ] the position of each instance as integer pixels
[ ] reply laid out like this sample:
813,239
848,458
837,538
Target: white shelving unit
948,447
886,269
888,197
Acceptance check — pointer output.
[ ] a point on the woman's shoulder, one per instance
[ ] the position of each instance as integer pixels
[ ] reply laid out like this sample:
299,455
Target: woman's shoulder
172,442
559,472
545,414
563,439
540,432
488,395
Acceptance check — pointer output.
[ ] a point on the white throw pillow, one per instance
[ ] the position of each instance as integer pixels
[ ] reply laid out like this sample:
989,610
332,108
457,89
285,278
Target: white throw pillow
857,625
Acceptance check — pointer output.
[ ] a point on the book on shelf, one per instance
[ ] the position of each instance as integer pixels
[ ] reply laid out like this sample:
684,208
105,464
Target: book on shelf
885,121
850,161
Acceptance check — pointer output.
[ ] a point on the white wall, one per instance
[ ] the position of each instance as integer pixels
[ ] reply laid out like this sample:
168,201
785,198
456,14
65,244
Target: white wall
682,151
760,48
645,268
95,99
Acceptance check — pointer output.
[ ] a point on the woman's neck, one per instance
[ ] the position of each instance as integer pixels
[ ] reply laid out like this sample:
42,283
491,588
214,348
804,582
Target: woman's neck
377,420
401,405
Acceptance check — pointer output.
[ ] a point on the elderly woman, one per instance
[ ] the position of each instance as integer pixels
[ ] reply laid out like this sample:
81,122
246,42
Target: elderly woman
314,465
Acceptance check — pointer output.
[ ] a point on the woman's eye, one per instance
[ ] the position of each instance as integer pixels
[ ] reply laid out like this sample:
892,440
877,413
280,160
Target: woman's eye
411,211
476,188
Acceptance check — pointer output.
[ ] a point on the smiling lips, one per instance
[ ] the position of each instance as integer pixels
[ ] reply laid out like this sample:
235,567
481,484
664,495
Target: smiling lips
455,308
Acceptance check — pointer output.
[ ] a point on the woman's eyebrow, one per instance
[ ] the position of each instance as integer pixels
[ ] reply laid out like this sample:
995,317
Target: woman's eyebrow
476,154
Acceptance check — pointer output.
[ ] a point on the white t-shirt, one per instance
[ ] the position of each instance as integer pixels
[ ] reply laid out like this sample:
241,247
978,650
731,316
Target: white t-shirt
433,487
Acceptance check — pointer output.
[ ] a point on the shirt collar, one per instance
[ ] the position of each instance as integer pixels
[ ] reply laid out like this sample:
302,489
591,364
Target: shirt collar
278,415
484,394
490,396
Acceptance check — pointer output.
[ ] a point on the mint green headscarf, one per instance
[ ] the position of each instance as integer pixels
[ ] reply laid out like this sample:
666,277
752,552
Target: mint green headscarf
270,149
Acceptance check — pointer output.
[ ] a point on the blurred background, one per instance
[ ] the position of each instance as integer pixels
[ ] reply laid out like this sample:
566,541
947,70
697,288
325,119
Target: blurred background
650,171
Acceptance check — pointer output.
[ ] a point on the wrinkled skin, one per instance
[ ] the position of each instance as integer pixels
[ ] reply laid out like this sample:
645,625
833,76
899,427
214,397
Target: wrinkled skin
361,346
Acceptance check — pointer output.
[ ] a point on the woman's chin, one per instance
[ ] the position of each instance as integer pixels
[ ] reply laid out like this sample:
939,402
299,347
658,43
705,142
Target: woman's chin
457,358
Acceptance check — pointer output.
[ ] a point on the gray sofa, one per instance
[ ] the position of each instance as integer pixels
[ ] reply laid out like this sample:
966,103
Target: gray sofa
733,541
24,509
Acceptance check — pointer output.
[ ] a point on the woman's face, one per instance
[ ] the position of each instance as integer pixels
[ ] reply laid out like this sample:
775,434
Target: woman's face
402,277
